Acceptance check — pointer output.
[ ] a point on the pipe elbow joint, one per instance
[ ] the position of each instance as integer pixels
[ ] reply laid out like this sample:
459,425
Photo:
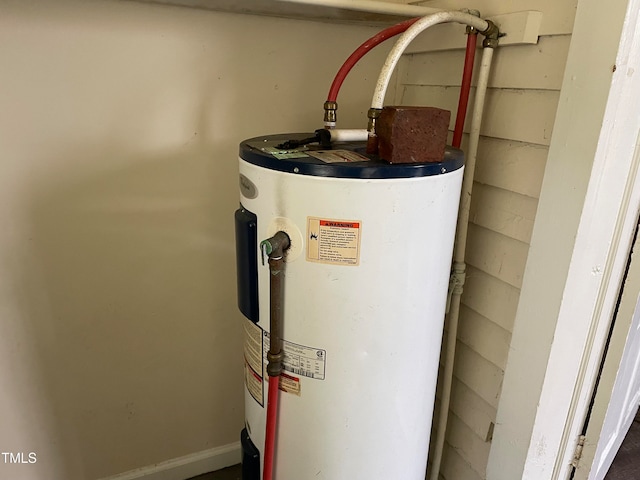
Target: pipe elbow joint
275,246
491,35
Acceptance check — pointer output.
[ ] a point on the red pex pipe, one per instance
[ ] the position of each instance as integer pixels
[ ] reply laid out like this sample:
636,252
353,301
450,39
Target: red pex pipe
467,73
361,52
270,434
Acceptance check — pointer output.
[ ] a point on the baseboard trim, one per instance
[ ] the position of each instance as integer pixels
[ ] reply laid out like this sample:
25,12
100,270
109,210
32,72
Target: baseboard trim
185,467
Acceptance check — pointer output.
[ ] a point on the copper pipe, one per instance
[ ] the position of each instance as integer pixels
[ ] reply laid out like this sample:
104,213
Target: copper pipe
275,247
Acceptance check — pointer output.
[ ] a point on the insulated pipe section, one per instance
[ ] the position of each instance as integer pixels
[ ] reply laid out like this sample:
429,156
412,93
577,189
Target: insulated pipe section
361,51
349,135
485,27
470,164
458,275
331,105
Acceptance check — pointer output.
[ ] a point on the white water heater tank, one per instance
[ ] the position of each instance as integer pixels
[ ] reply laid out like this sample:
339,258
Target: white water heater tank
365,291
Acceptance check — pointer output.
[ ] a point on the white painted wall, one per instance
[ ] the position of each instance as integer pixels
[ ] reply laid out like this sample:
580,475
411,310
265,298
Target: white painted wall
119,124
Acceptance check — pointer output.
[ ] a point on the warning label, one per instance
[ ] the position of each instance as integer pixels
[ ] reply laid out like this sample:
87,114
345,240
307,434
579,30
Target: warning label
253,358
289,384
337,156
253,381
299,359
335,242
253,345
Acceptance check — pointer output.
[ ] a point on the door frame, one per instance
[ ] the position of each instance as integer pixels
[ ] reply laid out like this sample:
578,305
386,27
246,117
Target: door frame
615,353
582,237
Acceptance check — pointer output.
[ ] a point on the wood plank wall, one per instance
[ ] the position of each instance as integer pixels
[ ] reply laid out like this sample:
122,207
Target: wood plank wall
521,104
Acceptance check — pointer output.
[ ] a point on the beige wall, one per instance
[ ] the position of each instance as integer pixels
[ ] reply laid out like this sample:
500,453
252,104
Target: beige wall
519,117
120,339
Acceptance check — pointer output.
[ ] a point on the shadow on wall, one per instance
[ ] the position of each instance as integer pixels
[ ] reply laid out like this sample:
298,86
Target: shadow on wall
138,269
119,130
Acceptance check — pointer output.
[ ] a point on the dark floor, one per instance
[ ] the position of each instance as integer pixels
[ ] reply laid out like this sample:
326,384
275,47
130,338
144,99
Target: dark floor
231,473
626,465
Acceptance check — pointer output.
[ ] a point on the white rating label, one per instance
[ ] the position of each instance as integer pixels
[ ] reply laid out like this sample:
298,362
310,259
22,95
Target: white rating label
299,359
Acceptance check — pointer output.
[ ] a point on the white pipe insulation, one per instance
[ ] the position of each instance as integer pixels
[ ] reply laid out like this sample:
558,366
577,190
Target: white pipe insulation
458,259
349,135
407,37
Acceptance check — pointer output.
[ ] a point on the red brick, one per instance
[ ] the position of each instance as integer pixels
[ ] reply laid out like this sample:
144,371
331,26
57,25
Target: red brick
412,134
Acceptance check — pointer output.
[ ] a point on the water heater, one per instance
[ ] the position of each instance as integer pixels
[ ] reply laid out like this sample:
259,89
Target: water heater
366,283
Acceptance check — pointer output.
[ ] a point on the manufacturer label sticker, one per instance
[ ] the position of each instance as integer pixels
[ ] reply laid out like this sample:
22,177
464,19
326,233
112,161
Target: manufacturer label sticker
335,242
248,189
299,359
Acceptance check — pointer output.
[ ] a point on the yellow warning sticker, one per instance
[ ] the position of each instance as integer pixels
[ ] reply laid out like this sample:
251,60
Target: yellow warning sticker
289,384
335,242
